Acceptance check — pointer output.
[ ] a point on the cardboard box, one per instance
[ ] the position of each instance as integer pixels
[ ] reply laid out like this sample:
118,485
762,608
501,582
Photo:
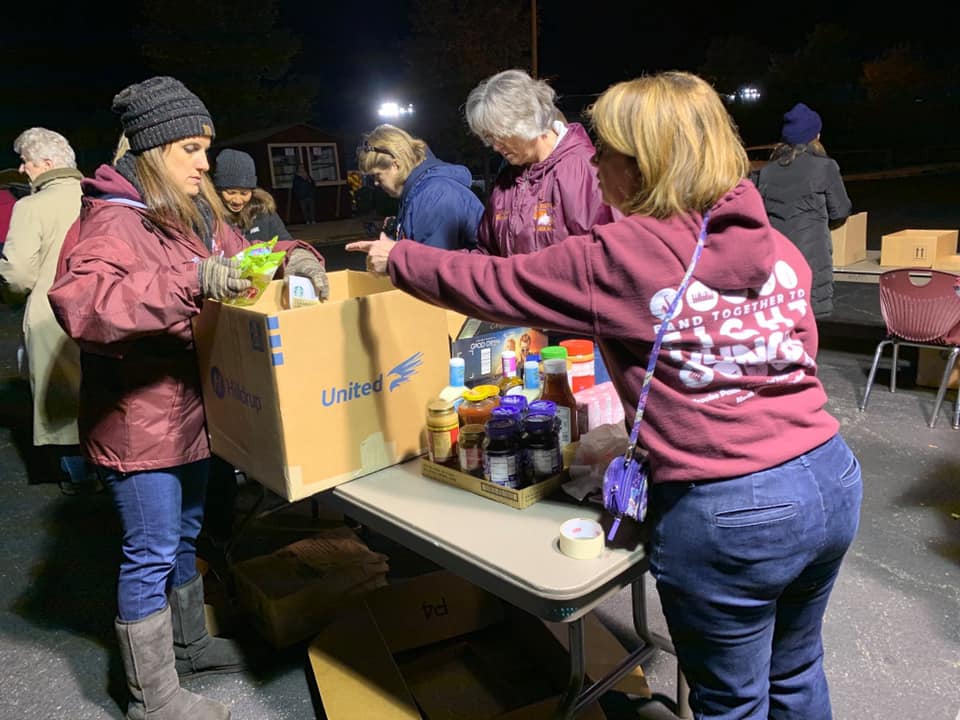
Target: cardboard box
916,248
930,365
480,344
290,593
305,399
850,240
947,263
519,499
470,668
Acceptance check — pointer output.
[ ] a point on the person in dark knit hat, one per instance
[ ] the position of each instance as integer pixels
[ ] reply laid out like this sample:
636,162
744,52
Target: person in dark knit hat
804,195
250,208
150,245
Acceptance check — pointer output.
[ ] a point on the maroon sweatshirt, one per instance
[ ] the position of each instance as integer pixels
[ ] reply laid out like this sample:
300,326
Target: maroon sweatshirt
735,389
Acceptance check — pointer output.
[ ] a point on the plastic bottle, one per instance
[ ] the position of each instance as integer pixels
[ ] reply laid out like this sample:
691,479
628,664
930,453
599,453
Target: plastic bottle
531,381
556,387
580,365
510,383
454,390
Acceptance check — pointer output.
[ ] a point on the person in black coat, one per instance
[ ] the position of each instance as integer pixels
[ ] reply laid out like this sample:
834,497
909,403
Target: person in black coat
805,196
303,191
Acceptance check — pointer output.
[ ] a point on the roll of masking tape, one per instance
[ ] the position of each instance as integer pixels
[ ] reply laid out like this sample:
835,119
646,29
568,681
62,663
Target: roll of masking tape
581,539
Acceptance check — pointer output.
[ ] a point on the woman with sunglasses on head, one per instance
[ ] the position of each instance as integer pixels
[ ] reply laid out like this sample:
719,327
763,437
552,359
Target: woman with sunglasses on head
437,206
150,245
754,496
548,190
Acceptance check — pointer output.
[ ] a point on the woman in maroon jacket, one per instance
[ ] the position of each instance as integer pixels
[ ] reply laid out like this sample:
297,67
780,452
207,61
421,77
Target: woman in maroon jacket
151,243
755,497
549,189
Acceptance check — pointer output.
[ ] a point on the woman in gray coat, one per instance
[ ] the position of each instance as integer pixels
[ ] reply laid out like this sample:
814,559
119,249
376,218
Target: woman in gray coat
804,196
27,266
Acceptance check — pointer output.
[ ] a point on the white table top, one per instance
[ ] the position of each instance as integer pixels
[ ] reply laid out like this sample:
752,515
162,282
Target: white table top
513,553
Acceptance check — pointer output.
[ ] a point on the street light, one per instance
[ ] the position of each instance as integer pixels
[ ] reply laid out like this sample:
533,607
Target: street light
393,110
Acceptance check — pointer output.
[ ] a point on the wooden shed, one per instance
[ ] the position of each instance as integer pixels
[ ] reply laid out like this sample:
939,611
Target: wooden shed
277,151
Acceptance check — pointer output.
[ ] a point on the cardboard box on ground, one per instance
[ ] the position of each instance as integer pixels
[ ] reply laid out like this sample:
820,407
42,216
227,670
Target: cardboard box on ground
850,240
917,248
930,366
437,647
302,400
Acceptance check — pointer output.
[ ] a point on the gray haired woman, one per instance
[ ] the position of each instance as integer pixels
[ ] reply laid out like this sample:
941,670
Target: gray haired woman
549,188
28,264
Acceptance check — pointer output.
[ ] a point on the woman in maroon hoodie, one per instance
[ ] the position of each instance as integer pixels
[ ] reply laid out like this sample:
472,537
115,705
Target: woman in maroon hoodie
755,496
151,243
549,189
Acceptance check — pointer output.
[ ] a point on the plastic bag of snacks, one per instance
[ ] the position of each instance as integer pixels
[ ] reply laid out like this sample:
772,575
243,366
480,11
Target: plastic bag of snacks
258,264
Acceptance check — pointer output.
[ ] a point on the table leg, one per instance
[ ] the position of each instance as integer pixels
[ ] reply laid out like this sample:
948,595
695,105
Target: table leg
568,703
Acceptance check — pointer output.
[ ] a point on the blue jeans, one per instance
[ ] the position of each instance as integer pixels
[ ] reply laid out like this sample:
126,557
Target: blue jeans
161,512
744,569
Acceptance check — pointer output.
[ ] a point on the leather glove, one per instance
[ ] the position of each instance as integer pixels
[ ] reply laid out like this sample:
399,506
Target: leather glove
305,264
220,278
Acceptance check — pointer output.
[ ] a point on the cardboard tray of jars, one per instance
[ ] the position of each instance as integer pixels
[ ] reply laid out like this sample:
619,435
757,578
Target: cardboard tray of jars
519,499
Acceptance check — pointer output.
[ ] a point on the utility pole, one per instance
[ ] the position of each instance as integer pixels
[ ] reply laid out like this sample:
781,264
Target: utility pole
533,38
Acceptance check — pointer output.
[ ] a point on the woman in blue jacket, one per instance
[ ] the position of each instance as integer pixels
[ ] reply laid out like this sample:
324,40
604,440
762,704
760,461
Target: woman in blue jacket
437,206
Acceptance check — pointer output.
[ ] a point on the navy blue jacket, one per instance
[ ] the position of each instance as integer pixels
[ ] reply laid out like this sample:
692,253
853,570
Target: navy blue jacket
437,206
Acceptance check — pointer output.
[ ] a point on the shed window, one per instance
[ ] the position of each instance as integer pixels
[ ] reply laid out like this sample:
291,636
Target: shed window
320,159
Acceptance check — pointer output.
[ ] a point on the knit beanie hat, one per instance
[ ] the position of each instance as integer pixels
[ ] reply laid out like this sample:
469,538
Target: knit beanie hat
235,169
800,125
159,111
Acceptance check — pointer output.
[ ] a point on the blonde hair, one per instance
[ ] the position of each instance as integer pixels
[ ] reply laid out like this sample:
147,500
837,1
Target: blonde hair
686,146
167,203
386,144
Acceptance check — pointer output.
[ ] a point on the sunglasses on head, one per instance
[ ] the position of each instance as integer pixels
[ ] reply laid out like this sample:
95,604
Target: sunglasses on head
367,147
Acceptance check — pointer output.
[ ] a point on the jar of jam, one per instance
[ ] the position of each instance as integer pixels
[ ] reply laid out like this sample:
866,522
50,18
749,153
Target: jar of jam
470,449
540,444
501,453
515,401
443,427
478,405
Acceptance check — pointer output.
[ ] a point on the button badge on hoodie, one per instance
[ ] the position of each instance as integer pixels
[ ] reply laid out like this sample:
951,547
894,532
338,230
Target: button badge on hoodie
542,217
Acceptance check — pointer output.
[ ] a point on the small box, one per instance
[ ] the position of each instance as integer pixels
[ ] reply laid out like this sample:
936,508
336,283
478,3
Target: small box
850,241
916,248
519,499
930,365
480,344
289,593
304,399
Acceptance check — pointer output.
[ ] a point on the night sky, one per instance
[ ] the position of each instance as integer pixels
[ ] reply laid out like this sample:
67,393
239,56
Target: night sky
69,65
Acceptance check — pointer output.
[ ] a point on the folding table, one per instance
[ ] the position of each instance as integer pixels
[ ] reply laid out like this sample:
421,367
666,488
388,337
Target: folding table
513,554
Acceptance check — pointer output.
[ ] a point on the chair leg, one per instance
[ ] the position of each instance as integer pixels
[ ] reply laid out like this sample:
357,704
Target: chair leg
893,366
873,372
942,390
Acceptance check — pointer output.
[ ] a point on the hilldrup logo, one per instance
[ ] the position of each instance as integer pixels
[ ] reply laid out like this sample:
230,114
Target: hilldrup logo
234,390
398,375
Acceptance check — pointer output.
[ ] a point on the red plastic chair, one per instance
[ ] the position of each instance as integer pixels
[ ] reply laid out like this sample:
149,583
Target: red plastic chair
921,308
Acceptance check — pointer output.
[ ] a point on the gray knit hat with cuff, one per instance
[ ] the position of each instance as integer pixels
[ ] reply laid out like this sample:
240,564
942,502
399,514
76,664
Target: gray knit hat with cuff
235,169
159,111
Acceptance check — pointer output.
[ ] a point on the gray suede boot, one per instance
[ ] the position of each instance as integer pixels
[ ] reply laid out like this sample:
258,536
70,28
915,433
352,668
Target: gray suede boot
196,651
146,647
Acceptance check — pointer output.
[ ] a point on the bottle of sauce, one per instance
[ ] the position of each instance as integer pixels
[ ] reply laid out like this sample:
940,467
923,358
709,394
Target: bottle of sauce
478,404
470,448
556,387
455,387
443,427
531,380
510,383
